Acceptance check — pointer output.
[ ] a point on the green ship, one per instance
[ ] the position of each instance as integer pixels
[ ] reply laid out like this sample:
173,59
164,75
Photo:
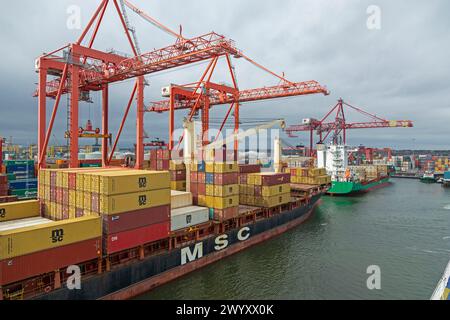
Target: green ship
352,187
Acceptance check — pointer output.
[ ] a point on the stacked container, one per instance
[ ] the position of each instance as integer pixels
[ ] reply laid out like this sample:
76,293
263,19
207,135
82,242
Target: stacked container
266,190
308,176
183,214
159,160
198,183
22,178
222,190
177,176
4,187
33,246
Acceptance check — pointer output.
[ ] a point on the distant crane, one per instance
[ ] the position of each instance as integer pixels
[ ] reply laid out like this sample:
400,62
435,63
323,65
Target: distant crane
340,125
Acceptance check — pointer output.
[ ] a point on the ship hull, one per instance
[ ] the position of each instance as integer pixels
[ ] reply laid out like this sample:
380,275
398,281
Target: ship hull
350,188
137,278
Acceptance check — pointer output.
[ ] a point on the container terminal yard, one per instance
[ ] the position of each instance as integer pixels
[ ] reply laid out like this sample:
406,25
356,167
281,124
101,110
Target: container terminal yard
143,220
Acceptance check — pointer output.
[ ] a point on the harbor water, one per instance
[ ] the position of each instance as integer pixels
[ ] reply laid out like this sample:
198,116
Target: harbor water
403,229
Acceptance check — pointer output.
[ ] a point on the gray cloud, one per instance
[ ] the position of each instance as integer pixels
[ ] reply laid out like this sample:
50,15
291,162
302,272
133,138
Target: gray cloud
398,72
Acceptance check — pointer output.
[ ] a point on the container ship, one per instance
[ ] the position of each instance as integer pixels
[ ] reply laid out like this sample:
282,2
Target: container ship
125,232
346,179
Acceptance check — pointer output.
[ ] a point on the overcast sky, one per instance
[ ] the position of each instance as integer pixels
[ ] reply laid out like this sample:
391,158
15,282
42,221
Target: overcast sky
400,71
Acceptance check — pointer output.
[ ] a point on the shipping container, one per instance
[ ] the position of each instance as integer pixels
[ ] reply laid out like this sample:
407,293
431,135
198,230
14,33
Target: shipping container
226,214
177,165
25,194
268,179
275,190
224,179
201,201
180,199
121,182
178,185
23,241
231,167
249,168
135,219
133,201
209,201
19,268
225,203
270,202
226,191
134,238
183,218
210,190
179,175
19,210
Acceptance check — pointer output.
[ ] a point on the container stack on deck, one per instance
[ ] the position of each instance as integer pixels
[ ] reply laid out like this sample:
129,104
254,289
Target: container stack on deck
222,190
32,246
308,176
266,190
177,176
184,214
369,172
22,178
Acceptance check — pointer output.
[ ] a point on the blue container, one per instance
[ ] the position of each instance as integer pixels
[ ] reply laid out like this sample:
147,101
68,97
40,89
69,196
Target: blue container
447,175
23,184
19,163
201,167
19,168
23,175
211,213
210,178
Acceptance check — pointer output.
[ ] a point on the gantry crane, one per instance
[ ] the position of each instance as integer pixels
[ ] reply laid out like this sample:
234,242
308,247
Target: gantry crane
340,125
79,69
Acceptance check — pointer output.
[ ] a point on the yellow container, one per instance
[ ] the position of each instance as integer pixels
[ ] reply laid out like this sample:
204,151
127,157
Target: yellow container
178,185
72,212
210,190
177,165
193,166
209,201
226,191
294,179
79,202
87,200
121,182
270,202
19,210
276,190
230,167
225,203
23,241
110,205
209,167
202,201
72,198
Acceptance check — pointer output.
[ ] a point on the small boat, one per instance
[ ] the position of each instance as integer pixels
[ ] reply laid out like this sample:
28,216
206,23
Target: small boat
428,177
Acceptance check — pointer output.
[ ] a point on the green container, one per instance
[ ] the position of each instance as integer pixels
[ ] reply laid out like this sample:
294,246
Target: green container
90,165
11,177
25,193
19,162
211,213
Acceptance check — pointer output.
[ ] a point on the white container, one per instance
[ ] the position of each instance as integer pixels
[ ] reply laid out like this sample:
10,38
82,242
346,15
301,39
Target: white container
94,156
183,218
181,199
81,156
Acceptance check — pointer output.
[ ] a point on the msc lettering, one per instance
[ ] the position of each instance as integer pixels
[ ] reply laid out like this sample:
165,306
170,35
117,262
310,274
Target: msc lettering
221,243
57,235
2,213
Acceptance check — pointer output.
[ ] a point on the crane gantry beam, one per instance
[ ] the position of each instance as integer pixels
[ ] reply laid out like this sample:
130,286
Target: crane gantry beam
341,125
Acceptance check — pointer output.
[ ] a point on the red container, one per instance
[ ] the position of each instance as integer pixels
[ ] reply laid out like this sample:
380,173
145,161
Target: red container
178,175
79,213
165,165
65,212
53,194
194,177
201,189
4,187
3,193
59,195
72,181
159,165
24,267
136,237
95,202
194,188
226,214
153,154
52,178
250,168
153,164
201,177
276,179
225,179
3,179
135,219
65,197
243,178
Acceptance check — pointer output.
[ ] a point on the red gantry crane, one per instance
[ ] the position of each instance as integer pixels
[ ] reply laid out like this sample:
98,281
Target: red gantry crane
78,69
340,125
